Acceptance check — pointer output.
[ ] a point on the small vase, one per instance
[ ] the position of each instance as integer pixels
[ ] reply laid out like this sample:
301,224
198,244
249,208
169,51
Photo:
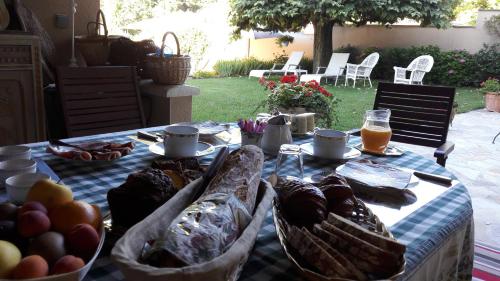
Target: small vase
492,101
251,138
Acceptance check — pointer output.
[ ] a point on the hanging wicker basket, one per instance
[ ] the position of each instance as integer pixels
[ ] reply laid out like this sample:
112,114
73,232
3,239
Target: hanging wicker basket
171,70
94,46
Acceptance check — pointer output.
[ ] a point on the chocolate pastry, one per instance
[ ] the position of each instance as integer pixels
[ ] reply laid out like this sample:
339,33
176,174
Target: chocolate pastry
333,178
188,169
339,195
303,204
141,194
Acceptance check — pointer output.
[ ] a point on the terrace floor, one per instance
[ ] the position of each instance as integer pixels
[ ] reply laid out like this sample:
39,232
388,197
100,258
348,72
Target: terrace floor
476,162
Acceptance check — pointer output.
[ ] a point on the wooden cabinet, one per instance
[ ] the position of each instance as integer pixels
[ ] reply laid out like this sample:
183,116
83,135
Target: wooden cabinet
22,116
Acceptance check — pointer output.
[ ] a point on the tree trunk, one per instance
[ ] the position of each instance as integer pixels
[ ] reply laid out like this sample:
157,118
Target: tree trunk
322,44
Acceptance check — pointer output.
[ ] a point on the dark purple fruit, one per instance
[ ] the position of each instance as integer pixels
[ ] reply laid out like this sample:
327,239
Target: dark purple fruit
8,211
7,230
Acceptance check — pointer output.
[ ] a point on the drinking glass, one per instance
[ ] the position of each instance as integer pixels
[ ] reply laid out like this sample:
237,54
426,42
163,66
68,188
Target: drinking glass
293,151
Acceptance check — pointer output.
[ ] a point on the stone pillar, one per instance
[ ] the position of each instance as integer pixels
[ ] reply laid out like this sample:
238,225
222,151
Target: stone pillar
166,104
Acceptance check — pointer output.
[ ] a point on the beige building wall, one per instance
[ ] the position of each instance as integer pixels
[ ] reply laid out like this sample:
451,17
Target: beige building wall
46,11
470,38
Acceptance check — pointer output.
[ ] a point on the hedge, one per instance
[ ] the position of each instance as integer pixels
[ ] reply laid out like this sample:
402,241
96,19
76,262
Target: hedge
451,68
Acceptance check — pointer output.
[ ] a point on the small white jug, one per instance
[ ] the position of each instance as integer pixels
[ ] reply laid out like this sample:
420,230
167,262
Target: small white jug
274,136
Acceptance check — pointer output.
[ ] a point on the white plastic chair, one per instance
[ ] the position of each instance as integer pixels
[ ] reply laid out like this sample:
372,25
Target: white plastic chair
291,66
335,68
362,70
418,68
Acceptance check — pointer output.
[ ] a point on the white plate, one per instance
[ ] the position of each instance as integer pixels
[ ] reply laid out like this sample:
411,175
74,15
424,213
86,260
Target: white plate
67,148
202,149
206,127
350,152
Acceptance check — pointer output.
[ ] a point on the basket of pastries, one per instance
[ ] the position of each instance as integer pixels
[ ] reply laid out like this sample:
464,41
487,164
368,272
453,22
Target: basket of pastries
208,238
333,235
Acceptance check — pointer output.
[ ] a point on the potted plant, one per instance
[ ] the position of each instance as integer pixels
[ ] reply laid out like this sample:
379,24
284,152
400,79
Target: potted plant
491,88
284,40
289,96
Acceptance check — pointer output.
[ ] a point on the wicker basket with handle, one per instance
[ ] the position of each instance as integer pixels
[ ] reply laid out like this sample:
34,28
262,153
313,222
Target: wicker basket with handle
95,46
171,70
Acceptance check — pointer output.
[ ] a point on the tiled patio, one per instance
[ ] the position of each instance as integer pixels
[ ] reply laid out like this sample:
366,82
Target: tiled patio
476,162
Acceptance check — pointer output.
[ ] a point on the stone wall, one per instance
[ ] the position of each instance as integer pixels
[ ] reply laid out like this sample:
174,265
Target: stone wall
46,11
470,38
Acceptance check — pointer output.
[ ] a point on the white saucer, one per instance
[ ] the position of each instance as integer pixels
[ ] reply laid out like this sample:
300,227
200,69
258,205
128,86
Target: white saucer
202,149
350,152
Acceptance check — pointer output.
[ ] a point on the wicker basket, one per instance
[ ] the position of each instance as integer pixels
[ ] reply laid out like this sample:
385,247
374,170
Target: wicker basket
227,266
94,46
362,215
124,51
172,70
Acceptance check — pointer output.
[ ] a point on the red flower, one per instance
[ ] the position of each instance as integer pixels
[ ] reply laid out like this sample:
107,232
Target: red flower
262,80
324,92
271,85
288,78
308,94
313,84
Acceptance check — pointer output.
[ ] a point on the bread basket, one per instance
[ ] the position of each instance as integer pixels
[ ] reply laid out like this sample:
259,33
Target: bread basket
227,266
361,215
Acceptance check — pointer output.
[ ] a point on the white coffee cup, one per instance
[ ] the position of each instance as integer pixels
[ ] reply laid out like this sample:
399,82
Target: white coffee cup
330,144
18,186
15,152
180,141
11,167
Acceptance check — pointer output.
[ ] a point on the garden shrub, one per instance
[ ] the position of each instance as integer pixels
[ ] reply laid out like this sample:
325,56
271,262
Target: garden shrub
451,68
240,67
488,61
202,74
355,53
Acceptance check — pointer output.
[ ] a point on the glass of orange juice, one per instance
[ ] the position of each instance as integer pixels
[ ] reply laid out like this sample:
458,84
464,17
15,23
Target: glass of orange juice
376,131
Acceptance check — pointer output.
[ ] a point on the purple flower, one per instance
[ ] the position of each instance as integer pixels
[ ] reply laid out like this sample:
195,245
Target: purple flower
451,71
461,61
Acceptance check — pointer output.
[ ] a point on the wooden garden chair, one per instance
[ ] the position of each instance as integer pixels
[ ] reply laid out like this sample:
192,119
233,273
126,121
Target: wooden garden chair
100,99
420,115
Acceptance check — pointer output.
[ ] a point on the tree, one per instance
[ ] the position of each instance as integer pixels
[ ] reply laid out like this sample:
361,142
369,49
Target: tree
293,15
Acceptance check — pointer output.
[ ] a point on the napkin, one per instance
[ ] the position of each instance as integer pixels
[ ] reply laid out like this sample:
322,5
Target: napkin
375,174
379,183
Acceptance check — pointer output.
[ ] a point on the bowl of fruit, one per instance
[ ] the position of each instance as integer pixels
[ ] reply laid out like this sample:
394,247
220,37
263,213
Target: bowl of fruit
50,237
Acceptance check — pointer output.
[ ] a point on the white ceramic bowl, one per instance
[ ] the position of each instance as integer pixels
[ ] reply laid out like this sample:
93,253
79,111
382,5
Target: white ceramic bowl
15,152
18,186
11,167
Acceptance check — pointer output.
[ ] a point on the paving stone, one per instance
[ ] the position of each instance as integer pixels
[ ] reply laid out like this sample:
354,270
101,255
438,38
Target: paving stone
476,162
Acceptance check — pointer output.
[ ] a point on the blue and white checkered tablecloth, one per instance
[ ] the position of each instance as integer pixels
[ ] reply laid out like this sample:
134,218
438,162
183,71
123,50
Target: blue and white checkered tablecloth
423,231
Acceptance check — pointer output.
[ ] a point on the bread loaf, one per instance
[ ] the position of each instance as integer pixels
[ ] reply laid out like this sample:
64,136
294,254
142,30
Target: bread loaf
344,267
240,175
313,253
210,225
368,236
370,257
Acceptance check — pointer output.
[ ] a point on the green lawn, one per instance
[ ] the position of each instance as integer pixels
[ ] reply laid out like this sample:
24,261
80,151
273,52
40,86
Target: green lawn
227,99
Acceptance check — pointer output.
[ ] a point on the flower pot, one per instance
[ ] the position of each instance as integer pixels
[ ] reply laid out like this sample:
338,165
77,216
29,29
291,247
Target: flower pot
292,110
492,101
